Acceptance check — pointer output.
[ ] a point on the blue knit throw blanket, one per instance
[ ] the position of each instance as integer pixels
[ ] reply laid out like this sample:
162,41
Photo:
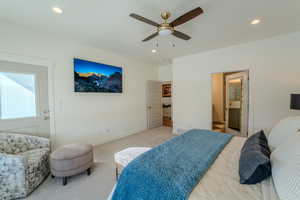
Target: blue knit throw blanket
171,170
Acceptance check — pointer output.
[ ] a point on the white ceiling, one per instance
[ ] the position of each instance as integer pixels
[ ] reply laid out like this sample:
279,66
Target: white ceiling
106,24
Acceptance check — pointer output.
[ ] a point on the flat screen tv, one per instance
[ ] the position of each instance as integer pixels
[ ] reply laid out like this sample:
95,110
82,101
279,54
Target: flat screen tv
95,77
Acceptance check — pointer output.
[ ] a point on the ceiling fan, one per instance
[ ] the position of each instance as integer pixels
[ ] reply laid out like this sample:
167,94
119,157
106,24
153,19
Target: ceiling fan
166,28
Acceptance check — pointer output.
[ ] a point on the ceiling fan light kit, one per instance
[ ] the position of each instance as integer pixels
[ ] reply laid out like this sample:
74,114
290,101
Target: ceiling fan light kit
166,28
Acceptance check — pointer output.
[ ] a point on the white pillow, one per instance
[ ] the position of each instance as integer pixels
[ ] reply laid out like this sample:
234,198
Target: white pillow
285,162
282,131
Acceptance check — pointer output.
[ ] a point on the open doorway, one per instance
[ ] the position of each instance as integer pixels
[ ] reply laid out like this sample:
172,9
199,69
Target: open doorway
167,104
159,104
230,102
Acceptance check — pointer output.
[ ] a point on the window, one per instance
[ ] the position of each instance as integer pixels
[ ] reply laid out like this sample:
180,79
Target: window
17,95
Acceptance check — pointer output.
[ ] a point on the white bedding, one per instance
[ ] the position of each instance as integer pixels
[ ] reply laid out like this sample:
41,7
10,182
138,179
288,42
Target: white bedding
221,182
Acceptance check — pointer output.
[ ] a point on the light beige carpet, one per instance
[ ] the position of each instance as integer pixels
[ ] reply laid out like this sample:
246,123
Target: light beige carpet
99,185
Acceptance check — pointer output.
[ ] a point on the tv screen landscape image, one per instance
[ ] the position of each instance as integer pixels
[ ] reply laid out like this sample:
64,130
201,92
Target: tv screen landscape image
96,77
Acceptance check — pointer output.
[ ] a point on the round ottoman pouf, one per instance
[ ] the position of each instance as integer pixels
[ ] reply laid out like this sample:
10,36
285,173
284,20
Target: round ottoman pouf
70,160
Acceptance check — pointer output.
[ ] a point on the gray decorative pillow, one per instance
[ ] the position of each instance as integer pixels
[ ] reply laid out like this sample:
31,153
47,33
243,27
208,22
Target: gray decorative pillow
258,141
255,165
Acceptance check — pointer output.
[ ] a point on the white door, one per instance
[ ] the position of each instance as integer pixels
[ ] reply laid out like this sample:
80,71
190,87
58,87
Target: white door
24,104
154,104
237,103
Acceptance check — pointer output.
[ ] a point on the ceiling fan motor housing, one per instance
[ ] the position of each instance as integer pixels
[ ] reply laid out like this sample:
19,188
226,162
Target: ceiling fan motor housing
165,15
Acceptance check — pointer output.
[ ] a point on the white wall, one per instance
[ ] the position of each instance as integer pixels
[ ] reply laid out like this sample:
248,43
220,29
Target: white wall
93,118
165,72
274,68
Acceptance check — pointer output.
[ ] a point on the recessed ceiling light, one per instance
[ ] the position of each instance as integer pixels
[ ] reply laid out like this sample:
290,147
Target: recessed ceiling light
153,50
57,10
255,21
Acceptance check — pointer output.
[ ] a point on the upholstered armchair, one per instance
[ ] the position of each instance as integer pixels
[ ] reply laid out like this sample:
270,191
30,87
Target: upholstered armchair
24,164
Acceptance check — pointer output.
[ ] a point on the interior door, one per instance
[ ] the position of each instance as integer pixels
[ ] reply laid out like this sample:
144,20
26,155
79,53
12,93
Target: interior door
237,104
24,106
154,104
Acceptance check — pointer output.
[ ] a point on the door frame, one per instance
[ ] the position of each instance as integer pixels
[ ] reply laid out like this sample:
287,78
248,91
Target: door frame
40,62
245,103
250,112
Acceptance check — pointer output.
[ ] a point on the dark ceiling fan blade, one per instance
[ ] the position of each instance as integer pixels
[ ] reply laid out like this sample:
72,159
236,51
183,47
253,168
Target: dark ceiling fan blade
150,37
187,17
181,35
143,19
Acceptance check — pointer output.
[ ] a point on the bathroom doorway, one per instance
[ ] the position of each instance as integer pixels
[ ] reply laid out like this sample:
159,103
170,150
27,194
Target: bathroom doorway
230,102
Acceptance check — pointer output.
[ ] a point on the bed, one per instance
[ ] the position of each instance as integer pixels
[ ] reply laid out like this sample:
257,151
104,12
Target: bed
221,181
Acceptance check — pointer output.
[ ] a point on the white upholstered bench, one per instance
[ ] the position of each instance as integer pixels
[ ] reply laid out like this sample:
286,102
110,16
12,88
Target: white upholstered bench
124,157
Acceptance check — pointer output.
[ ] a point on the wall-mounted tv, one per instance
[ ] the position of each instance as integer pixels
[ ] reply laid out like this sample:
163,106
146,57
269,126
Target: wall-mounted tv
95,77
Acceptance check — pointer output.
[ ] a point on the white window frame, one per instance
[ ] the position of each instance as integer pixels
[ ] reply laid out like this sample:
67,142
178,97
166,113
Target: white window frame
37,94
